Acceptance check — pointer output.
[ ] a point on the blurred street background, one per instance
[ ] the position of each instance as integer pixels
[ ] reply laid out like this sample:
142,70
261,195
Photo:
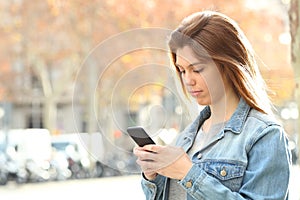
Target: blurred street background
115,188
125,187
75,74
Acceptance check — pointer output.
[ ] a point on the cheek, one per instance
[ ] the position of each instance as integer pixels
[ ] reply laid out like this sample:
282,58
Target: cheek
215,85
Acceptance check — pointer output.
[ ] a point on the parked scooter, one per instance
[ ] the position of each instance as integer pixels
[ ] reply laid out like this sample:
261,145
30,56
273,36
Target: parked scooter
15,169
3,170
59,166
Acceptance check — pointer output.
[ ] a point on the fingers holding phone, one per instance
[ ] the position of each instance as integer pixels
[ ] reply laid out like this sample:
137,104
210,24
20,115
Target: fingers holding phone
170,161
144,160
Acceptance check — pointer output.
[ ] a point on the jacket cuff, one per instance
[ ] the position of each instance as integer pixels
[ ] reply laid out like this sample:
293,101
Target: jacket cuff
159,180
194,177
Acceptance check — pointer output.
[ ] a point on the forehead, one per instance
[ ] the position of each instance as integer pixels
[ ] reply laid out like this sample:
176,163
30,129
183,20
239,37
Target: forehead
186,56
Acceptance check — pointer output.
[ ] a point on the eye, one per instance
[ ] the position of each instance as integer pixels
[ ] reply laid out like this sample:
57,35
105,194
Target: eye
198,70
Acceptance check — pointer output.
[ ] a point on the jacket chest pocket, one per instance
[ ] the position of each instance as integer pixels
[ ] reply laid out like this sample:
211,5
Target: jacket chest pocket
228,172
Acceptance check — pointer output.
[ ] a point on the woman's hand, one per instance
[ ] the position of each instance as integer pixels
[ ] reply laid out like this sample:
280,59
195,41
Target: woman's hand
169,161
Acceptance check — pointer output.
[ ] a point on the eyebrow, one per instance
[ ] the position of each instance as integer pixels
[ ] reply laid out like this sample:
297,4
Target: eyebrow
190,65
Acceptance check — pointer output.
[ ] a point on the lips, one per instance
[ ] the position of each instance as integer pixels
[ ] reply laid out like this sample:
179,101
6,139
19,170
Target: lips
195,92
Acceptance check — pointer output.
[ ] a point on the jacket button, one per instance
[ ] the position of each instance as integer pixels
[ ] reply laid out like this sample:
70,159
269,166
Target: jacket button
223,172
188,184
199,156
150,186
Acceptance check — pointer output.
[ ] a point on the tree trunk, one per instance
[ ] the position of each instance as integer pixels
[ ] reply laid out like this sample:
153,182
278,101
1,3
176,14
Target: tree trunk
294,17
50,114
49,104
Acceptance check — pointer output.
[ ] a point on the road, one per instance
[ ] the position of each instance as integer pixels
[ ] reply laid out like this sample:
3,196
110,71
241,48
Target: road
115,188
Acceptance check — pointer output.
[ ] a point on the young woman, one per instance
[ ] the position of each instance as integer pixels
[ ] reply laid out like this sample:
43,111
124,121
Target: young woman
235,149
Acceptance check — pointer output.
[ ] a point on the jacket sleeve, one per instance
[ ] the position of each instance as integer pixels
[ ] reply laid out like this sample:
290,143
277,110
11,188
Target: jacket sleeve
153,190
266,175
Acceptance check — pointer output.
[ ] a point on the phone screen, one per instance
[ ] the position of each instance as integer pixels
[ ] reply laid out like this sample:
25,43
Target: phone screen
140,136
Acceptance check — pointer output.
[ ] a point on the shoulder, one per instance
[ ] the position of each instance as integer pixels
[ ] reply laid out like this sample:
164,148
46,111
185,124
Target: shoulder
259,125
258,119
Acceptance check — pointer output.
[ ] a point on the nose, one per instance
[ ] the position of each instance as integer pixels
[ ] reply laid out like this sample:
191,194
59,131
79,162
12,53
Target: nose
188,79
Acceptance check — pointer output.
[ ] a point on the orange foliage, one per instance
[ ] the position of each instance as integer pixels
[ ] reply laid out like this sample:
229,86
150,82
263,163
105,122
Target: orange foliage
57,32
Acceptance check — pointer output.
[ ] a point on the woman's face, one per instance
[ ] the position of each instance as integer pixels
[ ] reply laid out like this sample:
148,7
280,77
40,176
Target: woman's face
201,78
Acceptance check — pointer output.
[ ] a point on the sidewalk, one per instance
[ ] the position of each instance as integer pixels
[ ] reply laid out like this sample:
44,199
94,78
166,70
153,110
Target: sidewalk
115,188
295,183
124,187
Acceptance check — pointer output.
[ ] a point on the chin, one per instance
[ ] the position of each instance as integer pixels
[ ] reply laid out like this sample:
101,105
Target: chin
203,102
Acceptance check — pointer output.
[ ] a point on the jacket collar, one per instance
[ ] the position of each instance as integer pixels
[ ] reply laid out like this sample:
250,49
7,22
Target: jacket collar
192,130
237,120
235,123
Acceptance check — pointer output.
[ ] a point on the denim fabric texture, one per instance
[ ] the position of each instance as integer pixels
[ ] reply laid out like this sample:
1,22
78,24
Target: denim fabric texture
248,159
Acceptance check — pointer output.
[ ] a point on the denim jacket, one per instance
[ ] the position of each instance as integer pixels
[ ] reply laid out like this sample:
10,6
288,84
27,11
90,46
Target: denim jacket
248,159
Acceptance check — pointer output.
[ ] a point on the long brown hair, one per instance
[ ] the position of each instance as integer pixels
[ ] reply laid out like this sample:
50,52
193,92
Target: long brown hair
213,34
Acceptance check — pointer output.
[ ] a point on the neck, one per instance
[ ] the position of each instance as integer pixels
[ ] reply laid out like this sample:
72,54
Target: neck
222,110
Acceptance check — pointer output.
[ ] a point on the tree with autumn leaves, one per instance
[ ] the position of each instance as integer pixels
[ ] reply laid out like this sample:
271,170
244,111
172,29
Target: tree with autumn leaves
45,45
294,17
